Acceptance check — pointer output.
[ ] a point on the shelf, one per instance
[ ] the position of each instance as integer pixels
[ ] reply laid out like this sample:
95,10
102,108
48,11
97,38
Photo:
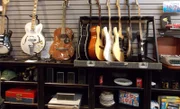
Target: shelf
18,103
119,87
39,63
122,65
19,82
166,90
81,107
66,85
116,106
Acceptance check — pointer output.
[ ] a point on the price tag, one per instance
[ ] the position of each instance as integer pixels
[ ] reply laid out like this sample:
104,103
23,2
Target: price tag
143,65
91,63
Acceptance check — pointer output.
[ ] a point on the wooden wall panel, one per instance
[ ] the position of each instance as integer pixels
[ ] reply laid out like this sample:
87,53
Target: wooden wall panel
50,14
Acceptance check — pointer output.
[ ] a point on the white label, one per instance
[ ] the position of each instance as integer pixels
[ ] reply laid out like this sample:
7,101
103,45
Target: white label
90,63
143,65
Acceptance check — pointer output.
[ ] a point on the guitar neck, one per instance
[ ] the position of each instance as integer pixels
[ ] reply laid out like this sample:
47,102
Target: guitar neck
120,25
34,15
3,18
63,20
110,25
139,14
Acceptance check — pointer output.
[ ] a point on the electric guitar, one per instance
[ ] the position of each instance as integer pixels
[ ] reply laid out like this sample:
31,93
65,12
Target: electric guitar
61,48
118,50
129,33
141,44
99,47
33,41
92,41
109,38
5,43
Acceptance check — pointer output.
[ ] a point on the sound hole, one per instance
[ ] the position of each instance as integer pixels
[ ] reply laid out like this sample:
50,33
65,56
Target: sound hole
65,38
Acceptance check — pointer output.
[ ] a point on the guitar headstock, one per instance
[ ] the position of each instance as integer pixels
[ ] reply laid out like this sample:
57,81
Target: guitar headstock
108,3
139,10
137,3
66,3
5,2
117,3
127,3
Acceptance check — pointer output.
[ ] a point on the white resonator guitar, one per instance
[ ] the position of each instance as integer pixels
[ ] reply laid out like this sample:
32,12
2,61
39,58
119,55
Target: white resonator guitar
33,41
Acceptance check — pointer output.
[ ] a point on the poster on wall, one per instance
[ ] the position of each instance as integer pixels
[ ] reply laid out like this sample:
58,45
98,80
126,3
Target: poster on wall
171,6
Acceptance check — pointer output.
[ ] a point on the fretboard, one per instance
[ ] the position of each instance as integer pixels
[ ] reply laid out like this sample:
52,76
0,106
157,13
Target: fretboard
34,15
63,20
140,26
120,25
3,18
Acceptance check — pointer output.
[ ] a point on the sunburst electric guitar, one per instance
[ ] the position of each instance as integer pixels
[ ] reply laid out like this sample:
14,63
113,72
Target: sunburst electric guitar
5,43
109,38
33,41
62,47
117,46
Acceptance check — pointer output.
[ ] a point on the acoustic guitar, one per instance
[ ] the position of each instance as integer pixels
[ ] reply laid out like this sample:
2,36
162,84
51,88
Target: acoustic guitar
109,38
5,43
33,41
129,33
141,44
99,47
61,48
117,46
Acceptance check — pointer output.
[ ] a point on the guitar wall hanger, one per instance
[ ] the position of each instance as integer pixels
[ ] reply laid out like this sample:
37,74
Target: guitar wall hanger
38,20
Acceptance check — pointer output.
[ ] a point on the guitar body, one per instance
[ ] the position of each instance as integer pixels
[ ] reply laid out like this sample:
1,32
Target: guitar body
82,51
108,46
91,47
33,41
117,51
5,43
62,49
99,47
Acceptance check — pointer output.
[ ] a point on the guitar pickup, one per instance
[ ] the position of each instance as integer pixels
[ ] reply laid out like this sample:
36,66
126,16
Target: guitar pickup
1,35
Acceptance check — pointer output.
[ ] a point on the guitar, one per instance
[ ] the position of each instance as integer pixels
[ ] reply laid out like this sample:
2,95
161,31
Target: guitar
84,28
118,50
129,33
61,48
33,41
5,44
141,44
109,38
99,47
91,46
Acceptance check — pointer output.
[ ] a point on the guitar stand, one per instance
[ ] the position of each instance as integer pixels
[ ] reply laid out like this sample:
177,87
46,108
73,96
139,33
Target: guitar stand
38,21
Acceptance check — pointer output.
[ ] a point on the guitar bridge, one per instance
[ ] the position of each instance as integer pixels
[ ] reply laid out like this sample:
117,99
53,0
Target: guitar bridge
62,49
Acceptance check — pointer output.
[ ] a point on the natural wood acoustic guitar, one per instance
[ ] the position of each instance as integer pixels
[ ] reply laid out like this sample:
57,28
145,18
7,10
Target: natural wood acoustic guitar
62,47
